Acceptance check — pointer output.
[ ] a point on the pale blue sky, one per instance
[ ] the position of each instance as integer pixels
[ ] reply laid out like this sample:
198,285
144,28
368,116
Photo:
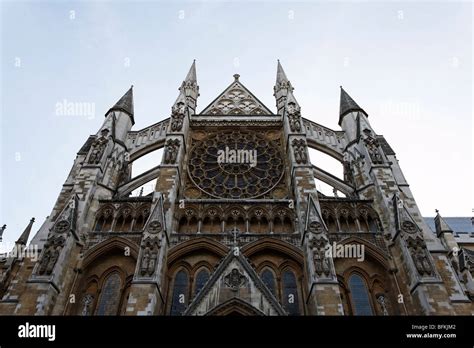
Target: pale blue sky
409,65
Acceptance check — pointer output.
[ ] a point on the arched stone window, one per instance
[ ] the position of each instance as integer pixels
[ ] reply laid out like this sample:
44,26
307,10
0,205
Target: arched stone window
282,222
109,300
99,224
180,293
104,220
142,216
201,279
359,296
124,221
290,293
268,279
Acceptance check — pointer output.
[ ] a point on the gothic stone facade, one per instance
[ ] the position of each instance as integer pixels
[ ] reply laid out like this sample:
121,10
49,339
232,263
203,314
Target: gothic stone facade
236,236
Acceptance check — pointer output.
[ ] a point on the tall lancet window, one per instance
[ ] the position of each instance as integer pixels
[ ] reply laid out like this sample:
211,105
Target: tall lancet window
180,293
268,279
201,279
359,296
290,293
110,295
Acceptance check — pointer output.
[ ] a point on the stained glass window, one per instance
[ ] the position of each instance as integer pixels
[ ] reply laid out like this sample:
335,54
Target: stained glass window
359,296
180,293
201,279
290,293
110,295
269,280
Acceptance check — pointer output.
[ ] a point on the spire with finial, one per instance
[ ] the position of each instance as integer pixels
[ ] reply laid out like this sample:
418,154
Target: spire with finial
1,231
26,233
283,89
125,104
347,105
189,89
281,79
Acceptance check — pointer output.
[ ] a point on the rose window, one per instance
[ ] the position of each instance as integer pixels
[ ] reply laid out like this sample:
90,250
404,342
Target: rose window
236,164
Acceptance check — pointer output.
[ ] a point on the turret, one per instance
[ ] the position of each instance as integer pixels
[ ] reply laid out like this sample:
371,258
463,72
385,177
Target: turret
120,117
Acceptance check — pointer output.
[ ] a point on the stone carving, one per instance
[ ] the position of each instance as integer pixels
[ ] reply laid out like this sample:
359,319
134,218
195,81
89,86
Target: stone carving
409,227
98,148
235,279
124,173
422,263
417,249
155,227
236,100
87,301
171,153
383,304
52,249
294,117
315,227
348,174
372,145
299,151
177,116
61,227
322,265
149,256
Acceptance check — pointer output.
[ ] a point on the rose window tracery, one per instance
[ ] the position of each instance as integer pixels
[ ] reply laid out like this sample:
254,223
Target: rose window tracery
236,164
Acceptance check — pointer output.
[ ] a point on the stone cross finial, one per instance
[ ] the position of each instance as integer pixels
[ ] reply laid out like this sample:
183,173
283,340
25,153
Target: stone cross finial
235,232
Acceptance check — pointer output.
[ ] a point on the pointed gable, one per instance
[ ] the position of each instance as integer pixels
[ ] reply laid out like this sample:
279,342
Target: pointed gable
236,100
235,279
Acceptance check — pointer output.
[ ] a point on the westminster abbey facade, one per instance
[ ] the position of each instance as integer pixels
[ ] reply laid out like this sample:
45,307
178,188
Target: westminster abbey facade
245,233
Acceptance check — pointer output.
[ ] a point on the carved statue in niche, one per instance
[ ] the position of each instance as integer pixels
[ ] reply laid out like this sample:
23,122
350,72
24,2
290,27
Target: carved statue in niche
171,153
422,263
152,263
348,174
98,148
177,116
372,146
150,256
294,117
322,264
299,150
52,250
86,304
124,173
145,261
383,303
44,261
